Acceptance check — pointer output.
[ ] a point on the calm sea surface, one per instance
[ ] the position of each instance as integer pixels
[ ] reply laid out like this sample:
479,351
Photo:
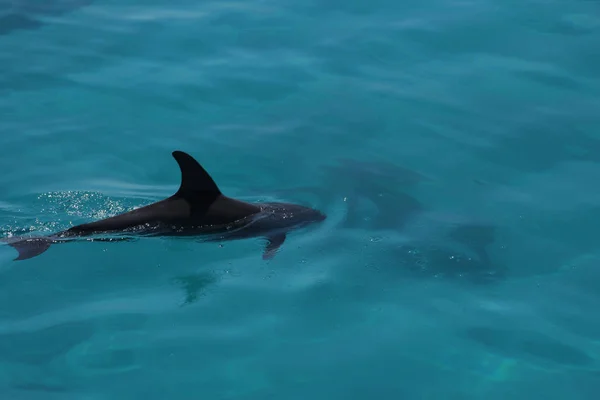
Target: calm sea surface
454,146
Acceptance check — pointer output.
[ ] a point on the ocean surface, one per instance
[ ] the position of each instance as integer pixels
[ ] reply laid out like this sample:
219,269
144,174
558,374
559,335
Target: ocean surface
454,146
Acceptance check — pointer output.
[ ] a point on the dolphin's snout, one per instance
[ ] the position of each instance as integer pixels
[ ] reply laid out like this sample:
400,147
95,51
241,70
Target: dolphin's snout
320,216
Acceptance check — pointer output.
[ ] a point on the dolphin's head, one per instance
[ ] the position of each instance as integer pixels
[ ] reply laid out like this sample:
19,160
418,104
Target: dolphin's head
315,215
293,214
302,214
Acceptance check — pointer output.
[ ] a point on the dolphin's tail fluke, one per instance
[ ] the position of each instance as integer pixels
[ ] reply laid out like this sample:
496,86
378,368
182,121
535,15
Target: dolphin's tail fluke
29,247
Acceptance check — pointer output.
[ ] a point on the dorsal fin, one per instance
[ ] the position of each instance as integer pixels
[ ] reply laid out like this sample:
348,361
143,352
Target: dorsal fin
196,183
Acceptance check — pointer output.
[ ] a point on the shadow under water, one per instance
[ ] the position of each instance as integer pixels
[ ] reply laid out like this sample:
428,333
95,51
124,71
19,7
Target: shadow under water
194,285
28,14
425,260
379,199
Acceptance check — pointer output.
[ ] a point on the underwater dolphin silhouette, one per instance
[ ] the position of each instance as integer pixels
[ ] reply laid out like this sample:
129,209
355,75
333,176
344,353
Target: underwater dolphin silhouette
198,208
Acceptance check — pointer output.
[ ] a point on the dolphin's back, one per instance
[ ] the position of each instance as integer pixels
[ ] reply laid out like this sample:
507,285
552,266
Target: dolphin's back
198,202
168,211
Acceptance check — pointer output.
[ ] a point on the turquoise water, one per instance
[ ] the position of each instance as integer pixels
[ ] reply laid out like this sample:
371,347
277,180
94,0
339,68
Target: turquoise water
454,146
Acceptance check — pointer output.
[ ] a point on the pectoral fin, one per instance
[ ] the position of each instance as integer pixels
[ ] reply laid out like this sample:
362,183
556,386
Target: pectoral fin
273,244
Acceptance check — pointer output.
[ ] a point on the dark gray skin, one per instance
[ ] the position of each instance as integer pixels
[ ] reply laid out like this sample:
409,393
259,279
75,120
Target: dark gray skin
198,208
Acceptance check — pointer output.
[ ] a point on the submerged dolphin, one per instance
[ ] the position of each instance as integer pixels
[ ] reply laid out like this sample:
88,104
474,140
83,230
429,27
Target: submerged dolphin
198,208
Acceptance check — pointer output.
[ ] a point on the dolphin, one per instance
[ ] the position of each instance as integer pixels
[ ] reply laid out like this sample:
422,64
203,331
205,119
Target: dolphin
198,208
